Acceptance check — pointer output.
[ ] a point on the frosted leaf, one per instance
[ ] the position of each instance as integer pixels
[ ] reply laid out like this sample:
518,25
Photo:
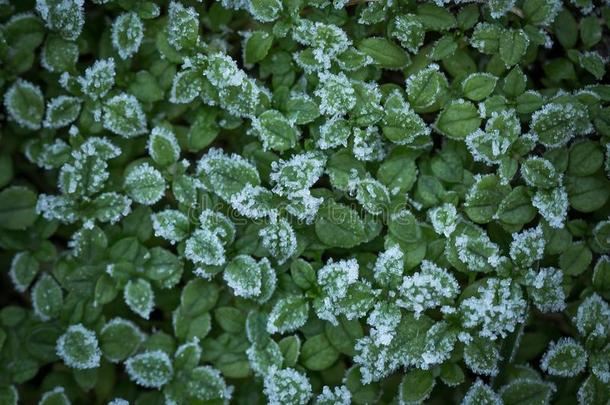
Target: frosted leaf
552,205
226,175
204,247
98,78
383,319
264,356
24,268
163,146
368,145
99,147
338,396
335,277
409,31
78,348
186,86
300,172
150,369
401,124
275,131
304,206
593,316
86,176
555,124
495,310
374,361
145,184
527,247
336,94
334,132
480,393
389,267
219,224
127,34
498,8
432,286
287,387
444,219
546,289
482,357
564,358
67,17
244,275
171,225
182,26
56,396
47,298
585,6
326,40
61,111
207,384
288,314
279,238
268,281
265,10
425,88
439,343
124,116
540,173
371,194
254,202
222,71
111,207
60,208
478,252
24,103
139,297
120,338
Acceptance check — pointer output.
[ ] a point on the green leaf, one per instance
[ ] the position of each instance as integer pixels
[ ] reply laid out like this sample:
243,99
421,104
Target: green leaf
61,111
139,297
17,208
435,18
384,53
78,348
291,349
458,119
513,45
47,298
318,354
338,225
564,358
119,339
526,390
477,86
183,26
575,259
416,386
288,314
24,103
257,46
152,369
124,116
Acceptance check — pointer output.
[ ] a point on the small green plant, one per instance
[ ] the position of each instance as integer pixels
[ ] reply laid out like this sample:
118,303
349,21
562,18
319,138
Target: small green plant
295,202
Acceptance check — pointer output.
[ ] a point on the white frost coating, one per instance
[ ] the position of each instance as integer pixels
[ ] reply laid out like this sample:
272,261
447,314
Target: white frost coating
430,287
527,246
335,277
13,112
496,309
244,275
127,34
287,387
383,319
375,362
469,248
480,393
368,144
326,40
163,134
492,355
170,225
564,358
145,184
389,266
593,316
124,116
66,16
118,401
98,78
56,207
248,202
585,6
139,297
180,18
122,322
150,369
546,289
298,173
303,205
334,132
285,318
336,94
222,71
85,355
337,396
279,239
204,247
552,205
420,78
444,219
56,104
20,285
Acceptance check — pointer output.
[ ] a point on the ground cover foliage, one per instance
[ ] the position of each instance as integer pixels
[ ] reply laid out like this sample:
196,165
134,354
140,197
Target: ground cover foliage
304,202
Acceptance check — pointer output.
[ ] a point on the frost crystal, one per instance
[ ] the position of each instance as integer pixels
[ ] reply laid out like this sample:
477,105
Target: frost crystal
527,247
480,393
389,267
145,184
336,94
127,34
298,173
287,387
496,309
150,369
78,348
593,316
338,396
171,225
253,202
444,219
478,252
383,320
546,289
98,78
552,205
564,358
279,239
428,288
368,145
204,247
124,116
56,396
